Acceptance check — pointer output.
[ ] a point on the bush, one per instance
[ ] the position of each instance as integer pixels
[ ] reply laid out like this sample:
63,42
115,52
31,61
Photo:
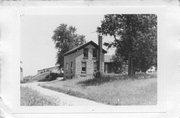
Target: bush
97,74
61,75
26,79
51,77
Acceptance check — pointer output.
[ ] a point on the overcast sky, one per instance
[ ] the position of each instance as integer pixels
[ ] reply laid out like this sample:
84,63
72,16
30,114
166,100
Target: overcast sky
37,47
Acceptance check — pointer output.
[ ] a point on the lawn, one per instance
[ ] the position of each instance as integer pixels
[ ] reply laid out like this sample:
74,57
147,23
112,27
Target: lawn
30,97
140,89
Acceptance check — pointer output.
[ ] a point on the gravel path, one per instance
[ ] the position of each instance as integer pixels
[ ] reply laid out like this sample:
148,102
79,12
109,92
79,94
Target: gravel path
62,99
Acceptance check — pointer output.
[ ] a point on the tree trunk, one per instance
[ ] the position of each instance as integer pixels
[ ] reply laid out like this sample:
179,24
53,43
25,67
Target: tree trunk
130,65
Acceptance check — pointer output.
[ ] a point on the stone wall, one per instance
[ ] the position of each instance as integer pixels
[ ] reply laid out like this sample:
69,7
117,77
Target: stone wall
67,60
89,63
77,58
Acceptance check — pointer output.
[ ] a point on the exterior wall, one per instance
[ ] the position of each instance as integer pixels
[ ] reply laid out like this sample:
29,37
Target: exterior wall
77,58
67,60
89,63
108,67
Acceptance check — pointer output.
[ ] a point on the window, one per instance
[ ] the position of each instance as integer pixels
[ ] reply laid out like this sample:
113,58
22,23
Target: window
94,53
71,66
95,66
85,53
83,67
67,66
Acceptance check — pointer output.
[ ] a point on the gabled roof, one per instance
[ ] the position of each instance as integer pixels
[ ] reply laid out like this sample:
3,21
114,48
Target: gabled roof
82,46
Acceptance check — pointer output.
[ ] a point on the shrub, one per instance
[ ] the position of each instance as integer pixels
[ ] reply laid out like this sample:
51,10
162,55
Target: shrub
51,77
97,74
61,75
26,79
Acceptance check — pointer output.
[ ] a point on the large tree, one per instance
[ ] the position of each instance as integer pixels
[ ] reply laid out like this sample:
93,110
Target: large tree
135,38
66,38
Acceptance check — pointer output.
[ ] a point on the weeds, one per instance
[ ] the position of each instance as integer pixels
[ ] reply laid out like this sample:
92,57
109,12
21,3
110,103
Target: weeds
140,89
110,78
30,97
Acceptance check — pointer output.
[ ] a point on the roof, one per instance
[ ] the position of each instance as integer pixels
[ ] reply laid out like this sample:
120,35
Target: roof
82,46
108,58
49,68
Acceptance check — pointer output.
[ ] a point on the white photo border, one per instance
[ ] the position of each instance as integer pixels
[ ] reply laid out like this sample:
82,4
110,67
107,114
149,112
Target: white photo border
10,61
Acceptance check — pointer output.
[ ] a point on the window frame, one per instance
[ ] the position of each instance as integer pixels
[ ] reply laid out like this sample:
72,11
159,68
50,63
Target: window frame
95,50
84,53
95,68
83,71
67,66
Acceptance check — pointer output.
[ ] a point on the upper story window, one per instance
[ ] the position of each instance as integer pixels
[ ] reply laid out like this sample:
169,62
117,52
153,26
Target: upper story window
85,53
94,53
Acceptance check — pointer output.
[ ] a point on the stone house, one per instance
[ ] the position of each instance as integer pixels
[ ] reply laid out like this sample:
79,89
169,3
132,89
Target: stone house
83,61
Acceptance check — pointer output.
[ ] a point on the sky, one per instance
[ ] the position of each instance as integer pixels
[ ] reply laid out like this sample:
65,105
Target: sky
37,47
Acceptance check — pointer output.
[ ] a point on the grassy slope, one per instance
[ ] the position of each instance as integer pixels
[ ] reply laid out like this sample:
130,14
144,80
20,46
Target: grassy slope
116,91
31,97
38,77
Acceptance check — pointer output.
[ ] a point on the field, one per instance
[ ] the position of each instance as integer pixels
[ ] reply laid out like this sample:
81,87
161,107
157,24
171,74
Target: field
30,97
121,90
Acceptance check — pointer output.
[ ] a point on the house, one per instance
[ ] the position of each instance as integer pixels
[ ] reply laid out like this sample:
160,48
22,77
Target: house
54,69
108,64
84,61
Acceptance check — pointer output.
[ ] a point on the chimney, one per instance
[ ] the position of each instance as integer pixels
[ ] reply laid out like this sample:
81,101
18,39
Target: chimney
100,69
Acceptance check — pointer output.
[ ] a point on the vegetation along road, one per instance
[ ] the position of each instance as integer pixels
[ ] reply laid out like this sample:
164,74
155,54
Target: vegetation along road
34,95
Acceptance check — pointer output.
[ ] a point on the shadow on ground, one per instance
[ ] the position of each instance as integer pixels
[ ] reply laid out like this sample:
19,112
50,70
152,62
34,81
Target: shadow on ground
105,79
96,81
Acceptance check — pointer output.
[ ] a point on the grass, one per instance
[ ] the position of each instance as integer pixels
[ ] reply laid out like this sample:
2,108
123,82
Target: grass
47,76
140,89
110,78
30,97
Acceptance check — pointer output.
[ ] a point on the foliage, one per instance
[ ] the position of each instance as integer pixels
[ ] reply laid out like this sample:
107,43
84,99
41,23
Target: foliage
40,76
135,39
118,63
51,77
96,74
140,89
66,38
26,79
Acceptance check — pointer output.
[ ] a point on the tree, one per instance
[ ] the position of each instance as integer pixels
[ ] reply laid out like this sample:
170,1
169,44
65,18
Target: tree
135,38
66,38
118,63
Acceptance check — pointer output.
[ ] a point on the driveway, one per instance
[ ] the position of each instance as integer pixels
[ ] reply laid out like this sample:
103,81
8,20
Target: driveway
70,100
